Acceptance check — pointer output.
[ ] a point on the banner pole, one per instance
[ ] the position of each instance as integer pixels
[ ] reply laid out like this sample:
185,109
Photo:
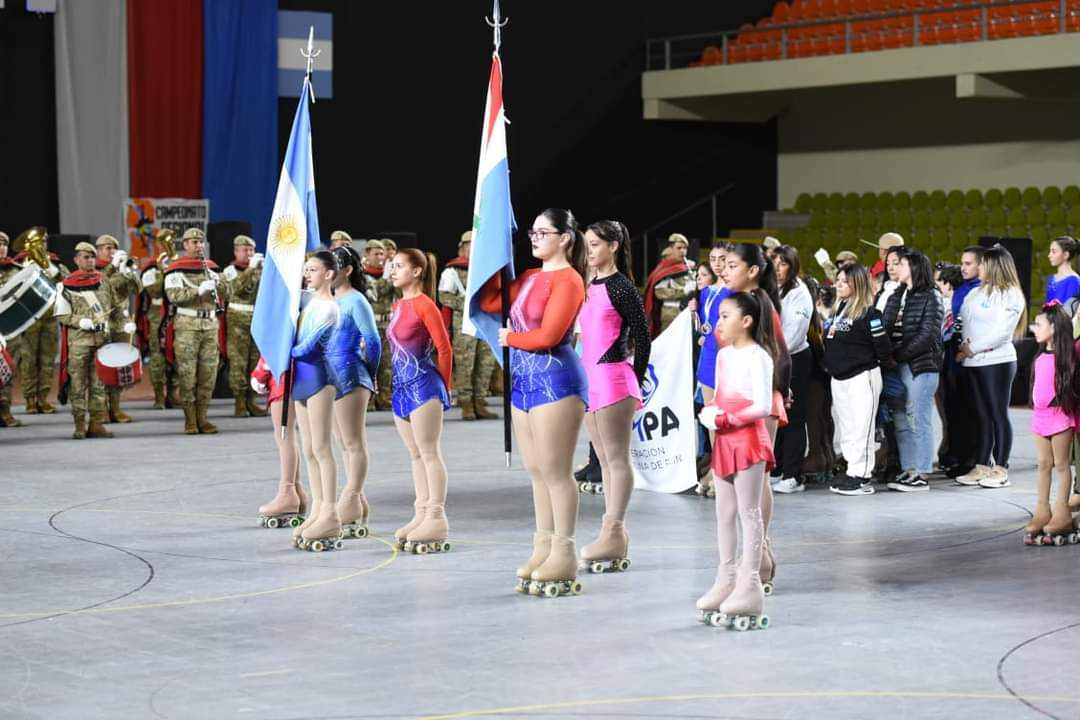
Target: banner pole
505,291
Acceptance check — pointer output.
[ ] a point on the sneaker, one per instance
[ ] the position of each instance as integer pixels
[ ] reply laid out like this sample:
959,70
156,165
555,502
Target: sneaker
998,477
848,485
913,482
973,477
788,485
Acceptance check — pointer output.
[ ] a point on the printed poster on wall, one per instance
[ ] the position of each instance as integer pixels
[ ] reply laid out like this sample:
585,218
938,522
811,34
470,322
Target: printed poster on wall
143,217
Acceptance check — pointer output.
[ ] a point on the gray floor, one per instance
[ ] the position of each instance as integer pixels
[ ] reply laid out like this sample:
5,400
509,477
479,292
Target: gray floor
136,584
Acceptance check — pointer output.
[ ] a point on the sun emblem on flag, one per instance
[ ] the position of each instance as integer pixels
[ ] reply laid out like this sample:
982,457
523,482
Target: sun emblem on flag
286,234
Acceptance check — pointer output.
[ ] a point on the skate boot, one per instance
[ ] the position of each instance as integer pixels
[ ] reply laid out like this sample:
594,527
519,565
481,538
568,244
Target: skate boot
608,553
1033,531
1074,502
541,549
298,531
1060,530
557,575
430,535
743,608
768,567
323,534
239,407
97,428
205,426
401,535
285,510
708,604
80,428
159,398
352,509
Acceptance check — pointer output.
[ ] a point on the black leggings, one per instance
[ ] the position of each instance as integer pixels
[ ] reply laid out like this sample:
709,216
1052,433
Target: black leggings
791,440
992,386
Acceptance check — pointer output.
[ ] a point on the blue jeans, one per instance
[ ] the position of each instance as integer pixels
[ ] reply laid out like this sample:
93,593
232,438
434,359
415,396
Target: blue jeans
914,424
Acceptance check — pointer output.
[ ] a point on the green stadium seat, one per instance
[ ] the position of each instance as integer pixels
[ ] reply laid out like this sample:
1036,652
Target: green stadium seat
1016,221
868,201
1073,219
958,220
851,202
973,199
920,201
939,217
820,202
1070,196
1051,196
977,218
1057,230
1031,197
868,218
1036,216
1039,239
996,217
921,221
1056,215
954,200
834,222
803,203
886,217
937,200
835,203
885,201
902,202
993,198
851,221
1011,198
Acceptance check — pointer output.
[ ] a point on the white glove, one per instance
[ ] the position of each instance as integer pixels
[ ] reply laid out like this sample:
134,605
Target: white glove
86,324
52,271
256,261
129,328
690,287
258,387
118,258
206,287
822,257
3,342
708,415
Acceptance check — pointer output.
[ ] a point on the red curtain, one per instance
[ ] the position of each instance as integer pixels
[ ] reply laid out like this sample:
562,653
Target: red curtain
165,56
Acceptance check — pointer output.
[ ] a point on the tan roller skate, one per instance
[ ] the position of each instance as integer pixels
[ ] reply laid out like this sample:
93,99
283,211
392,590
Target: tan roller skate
323,534
401,535
557,575
743,608
541,549
609,552
352,508
1060,530
298,531
768,567
1033,531
431,534
286,509
708,604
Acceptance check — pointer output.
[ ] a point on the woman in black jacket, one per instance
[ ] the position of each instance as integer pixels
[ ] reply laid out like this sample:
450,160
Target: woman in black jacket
916,311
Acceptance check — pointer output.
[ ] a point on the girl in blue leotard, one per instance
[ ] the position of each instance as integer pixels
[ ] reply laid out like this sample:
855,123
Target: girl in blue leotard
352,356
1064,284
708,310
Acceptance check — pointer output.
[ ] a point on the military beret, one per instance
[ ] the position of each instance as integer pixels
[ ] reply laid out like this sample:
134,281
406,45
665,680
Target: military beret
677,238
340,235
374,245
242,241
104,240
194,233
389,244
771,243
85,247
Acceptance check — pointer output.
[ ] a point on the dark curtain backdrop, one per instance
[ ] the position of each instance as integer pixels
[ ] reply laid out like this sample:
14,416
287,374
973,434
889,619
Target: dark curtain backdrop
165,73
397,146
28,193
239,165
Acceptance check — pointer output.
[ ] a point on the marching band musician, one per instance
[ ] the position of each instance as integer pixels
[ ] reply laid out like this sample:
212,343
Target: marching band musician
91,310
243,276
8,269
162,373
380,291
112,263
37,349
196,292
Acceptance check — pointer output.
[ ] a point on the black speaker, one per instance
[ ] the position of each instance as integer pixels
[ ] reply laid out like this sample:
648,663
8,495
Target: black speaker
220,235
64,246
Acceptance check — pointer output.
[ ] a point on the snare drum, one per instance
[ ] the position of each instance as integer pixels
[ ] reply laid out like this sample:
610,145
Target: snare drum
23,299
118,365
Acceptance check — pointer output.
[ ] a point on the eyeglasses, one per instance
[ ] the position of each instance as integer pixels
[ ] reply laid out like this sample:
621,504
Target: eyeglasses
533,234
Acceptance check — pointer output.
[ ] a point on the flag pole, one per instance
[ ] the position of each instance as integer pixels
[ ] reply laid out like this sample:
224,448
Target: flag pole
496,22
310,56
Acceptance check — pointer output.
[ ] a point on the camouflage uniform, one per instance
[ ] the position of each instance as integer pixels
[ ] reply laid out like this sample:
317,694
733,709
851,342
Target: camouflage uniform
8,271
241,350
105,307
473,361
381,291
673,293
124,284
162,375
196,339
37,351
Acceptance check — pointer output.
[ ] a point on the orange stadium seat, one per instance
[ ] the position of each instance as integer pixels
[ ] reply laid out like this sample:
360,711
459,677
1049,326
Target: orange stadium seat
781,12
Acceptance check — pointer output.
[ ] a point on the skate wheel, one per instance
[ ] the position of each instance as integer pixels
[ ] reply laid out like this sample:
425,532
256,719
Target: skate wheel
362,532
338,544
446,547
596,567
1059,540
624,564
408,547
272,523
715,619
296,521
317,546
575,587
767,588
763,622
421,549
551,590
599,489
741,623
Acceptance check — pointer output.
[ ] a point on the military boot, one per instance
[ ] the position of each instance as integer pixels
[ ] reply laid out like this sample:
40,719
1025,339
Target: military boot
7,419
172,400
241,407
204,426
253,407
482,412
159,398
468,412
97,428
190,427
44,406
31,406
80,427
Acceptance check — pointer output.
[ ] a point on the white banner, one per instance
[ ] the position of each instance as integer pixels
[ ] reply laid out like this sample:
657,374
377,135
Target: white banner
663,442
143,217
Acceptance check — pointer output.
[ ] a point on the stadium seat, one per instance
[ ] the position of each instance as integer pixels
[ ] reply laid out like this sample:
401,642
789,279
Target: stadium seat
954,200
920,200
958,220
1036,216
1055,215
1070,196
973,199
803,203
781,12
1016,221
868,201
993,198
976,218
820,202
1011,198
937,200
1074,219
902,201
921,221
1031,197
1051,196
885,201
851,202
836,202
995,220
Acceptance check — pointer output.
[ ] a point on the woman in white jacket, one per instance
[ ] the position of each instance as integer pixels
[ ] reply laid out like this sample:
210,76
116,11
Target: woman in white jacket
796,310
991,315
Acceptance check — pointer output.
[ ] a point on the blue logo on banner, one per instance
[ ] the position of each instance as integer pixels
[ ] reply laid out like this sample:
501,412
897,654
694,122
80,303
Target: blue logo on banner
649,385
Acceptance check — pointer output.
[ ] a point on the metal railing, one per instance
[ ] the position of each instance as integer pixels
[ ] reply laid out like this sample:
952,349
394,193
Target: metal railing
679,51
644,236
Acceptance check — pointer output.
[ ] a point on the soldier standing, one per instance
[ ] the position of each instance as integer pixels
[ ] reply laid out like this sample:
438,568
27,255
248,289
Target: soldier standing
380,291
37,349
162,374
670,286
88,307
194,291
243,278
8,269
119,273
339,238
473,361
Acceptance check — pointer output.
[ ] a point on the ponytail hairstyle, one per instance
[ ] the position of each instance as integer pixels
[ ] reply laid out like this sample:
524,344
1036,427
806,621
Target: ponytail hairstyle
613,231
753,255
1066,385
426,262
757,306
564,222
327,259
347,257
1069,245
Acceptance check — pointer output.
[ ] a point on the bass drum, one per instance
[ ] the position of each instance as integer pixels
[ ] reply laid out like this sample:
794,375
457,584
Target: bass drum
118,365
23,299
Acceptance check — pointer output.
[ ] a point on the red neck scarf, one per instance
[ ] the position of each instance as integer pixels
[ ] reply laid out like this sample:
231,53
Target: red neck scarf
82,279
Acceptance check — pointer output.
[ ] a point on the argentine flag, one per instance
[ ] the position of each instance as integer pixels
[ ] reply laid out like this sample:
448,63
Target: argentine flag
294,231
493,216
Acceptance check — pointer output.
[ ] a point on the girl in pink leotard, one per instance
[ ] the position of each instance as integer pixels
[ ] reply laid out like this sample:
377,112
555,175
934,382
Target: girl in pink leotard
612,315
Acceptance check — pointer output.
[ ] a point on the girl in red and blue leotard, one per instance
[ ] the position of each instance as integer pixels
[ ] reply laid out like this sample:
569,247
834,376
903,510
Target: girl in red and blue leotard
290,501
421,362
613,315
548,390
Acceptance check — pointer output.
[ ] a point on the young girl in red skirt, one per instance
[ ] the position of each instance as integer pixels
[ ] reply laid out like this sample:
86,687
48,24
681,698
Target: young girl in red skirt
742,454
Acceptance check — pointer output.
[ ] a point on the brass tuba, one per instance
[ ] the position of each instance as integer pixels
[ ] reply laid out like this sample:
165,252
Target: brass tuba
32,242
167,238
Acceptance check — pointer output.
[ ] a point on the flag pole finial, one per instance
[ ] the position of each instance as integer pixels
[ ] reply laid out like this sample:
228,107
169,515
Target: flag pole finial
310,54
497,24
